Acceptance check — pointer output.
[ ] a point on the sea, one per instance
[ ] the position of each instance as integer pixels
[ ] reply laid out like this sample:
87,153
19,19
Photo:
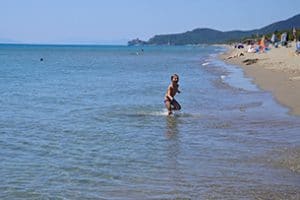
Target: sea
89,122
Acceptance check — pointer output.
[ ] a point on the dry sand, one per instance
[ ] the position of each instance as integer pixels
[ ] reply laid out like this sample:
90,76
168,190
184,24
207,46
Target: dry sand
277,71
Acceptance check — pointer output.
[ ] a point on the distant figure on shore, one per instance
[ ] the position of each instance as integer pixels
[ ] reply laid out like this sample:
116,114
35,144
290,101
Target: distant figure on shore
252,49
239,46
298,47
294,34
236,55
274,40
283,39
262,44
170,102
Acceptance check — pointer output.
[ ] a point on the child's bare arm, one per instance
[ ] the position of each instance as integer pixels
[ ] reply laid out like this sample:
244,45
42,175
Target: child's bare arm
178,89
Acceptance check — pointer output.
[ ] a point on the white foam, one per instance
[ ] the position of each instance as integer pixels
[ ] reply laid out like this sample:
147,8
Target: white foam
160,113
163,112
206,63
223,77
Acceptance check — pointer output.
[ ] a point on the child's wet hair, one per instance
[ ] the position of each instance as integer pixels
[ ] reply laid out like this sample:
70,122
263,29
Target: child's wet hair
174,76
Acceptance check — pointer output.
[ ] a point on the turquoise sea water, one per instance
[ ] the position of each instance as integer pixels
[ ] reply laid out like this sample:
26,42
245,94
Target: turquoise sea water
88,122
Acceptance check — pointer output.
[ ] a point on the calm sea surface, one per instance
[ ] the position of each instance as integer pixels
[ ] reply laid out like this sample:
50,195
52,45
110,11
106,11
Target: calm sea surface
88,122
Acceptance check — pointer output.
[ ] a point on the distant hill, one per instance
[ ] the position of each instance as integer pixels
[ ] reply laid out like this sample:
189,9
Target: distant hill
197,36
281,25
136,42
210,36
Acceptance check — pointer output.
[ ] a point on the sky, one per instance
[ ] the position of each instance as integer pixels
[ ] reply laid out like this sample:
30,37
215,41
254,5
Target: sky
117,21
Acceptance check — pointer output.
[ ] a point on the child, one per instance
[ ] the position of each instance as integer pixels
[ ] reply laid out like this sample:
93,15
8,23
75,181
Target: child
170,102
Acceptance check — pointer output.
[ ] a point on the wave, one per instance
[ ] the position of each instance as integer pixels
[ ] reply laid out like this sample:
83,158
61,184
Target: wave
223,77
164,112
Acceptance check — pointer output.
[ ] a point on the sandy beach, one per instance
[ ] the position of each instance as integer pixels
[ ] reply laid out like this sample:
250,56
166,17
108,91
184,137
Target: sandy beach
276,70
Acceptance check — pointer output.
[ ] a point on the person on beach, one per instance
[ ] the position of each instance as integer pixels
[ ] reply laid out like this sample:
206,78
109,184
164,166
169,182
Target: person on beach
283,39
274,40
297,52
236,55
294,34
170,102
262,44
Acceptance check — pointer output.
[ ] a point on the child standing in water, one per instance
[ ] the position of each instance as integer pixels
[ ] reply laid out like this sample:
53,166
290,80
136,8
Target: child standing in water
170,101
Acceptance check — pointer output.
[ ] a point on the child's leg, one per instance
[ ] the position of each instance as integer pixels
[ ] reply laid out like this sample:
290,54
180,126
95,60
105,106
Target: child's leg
168,106
176,105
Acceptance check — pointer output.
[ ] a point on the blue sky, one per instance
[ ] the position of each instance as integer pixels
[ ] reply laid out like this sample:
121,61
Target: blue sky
116,21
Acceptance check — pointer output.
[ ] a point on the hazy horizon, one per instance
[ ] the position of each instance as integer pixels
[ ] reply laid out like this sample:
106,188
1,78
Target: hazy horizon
116,22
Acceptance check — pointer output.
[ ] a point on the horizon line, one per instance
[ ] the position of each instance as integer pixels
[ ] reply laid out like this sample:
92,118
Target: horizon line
60,44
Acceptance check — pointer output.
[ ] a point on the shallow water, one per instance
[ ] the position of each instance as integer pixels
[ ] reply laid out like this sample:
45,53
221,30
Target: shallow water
88,122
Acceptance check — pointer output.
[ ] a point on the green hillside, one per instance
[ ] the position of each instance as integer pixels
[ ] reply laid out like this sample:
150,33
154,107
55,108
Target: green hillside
210,36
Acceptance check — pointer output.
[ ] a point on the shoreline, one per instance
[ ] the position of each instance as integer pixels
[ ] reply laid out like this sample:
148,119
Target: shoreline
276,71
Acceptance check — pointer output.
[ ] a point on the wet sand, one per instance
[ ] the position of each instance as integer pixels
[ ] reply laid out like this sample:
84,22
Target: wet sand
277,71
